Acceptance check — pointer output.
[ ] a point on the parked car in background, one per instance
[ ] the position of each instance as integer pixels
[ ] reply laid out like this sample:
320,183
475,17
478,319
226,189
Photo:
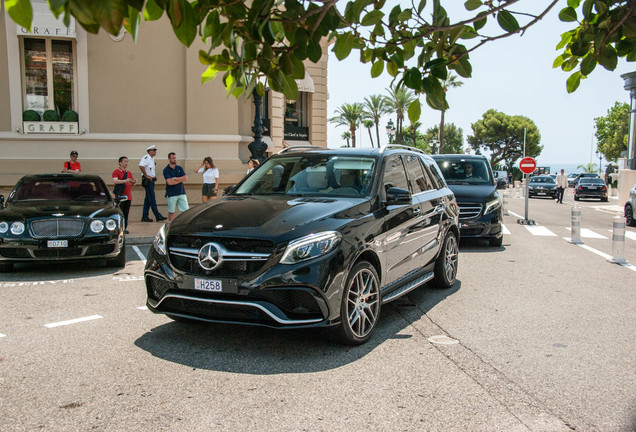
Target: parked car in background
571,179
480,209
590,187
582,176
312,238
630,207
55,217
501,177
542,186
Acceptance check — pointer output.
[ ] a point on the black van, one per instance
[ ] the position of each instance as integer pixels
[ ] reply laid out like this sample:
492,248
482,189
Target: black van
471,179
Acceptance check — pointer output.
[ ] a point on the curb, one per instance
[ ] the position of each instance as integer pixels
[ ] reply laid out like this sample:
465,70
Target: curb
136,240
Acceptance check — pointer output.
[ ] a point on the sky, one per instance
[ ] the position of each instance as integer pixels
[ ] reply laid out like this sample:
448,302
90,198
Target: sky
514,76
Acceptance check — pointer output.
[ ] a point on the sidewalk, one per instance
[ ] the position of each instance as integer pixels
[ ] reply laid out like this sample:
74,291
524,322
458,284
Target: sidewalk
142,233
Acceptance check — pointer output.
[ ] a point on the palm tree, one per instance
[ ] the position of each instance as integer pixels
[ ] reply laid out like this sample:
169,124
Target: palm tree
413,128
349,115
449,82
398,101
346,136
375,107
369,124
588,167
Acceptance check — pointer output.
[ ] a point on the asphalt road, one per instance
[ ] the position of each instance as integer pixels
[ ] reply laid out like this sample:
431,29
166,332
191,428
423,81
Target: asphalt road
538,335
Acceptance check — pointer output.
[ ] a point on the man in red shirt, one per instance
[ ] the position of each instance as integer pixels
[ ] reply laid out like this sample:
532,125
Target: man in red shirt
122,176
72,166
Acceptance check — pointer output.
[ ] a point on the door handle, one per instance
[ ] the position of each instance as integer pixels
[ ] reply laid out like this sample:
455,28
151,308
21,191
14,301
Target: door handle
417,211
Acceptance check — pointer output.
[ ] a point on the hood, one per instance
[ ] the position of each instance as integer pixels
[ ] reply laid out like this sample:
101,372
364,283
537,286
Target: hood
473,193
33,209
275,218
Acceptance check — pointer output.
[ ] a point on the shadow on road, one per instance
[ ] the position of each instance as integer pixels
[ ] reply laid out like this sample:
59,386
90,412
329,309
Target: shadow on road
264,351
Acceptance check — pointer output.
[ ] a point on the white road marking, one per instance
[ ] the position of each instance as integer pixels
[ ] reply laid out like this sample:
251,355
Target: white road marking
630,235
515,214
588,233
139,254
2,335
143,308
36,283
73,321
539,230
128,278
602,254
505,229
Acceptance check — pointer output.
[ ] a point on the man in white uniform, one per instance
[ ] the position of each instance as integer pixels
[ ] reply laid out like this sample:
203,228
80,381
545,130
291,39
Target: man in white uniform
147,167
562,185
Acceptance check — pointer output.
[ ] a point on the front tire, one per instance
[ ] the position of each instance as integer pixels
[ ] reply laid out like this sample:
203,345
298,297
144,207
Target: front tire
120,260
6,267
446,263
496,241
360,305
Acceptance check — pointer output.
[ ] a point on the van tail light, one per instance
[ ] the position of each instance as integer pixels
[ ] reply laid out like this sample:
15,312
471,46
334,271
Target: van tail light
579,188
604,187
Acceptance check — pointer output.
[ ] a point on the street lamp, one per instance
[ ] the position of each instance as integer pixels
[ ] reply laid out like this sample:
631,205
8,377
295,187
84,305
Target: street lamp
390,130
434,145
600,155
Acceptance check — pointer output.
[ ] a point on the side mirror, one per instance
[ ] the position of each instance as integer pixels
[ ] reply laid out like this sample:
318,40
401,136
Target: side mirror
228,190
398,196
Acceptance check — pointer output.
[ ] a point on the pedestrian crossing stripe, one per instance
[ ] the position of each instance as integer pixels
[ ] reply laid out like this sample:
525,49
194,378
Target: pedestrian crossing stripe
539,230
505,229
588,233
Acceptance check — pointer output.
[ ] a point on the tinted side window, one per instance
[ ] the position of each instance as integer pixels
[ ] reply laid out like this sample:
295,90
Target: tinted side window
419,181
394,174
435,173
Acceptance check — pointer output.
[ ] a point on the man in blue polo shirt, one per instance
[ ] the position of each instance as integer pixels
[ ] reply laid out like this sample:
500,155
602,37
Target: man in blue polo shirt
175,191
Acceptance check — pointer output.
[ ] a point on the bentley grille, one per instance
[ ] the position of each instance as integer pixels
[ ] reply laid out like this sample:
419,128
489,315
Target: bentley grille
51,228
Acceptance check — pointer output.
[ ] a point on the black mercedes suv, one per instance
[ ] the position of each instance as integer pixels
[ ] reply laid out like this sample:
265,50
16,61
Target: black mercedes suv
314,237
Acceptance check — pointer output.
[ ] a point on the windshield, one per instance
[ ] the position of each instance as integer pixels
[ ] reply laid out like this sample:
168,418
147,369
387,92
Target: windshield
465,171
311,175
59,190
542,180
594,180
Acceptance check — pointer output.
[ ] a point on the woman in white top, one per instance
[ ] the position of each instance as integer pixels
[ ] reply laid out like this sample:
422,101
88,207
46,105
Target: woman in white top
210,179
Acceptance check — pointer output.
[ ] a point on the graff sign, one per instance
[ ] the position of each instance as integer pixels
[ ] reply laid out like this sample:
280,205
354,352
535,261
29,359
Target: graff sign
50,127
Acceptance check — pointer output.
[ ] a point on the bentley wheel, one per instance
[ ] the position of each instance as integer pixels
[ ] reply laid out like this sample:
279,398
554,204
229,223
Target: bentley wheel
446,264
120,260
360,307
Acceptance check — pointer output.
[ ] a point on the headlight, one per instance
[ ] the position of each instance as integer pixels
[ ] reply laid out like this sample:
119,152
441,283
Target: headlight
159,242
17,228
311,246
111,224
97,226
4,227
491,206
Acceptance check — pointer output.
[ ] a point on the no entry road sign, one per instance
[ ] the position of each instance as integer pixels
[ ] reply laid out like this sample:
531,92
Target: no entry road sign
527,165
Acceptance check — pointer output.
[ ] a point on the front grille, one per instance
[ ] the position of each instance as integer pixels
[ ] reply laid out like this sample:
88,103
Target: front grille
469,210
240,256
100,249
219,312
52,228
295,303
158,287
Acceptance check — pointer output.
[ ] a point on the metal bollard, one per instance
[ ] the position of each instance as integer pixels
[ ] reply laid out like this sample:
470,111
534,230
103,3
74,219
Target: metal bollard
618,241
576,226
505,203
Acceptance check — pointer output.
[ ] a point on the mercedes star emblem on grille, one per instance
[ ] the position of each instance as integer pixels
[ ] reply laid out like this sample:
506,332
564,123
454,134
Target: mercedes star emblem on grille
209,256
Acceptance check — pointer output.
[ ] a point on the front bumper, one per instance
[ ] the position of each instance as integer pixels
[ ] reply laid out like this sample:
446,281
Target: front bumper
280,296
18,250
486,226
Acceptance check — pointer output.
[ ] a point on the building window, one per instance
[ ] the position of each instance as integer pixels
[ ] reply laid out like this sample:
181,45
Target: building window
48,74
296,111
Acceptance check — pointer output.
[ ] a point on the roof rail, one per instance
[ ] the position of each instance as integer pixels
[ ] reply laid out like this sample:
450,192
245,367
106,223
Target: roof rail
399,146
292,148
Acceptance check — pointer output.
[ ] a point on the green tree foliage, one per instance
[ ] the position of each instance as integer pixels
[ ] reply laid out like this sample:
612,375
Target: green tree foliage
589,167
502,136
347,137
375,107
450,82
417,43
398,101
349,115
612,131
454,138
606,31
369,125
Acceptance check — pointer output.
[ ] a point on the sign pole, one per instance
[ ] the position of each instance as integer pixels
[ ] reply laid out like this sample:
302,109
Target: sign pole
527,166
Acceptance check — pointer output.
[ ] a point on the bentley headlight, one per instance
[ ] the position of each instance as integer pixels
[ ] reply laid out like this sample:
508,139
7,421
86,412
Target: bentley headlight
4,227
311,246
17,228
111,224
159,242
97,226
491,206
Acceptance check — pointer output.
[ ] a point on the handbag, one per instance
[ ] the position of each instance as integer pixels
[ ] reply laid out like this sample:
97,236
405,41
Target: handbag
119,188
144,181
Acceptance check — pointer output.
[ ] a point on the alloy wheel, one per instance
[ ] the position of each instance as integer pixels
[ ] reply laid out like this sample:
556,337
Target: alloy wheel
363,302
451,254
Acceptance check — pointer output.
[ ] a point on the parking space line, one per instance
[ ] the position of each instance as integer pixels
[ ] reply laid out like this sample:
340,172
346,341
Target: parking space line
139,254
2,335
601,254
539,230
588,233
73,321
143,308
515,214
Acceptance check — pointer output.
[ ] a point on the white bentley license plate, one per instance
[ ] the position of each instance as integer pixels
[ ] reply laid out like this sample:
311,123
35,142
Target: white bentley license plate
541,193
208,285
57,243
